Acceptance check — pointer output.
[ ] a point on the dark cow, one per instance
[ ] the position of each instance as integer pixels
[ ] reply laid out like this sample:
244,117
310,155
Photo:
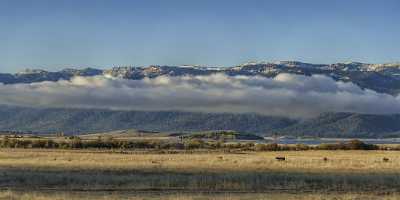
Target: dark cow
280,158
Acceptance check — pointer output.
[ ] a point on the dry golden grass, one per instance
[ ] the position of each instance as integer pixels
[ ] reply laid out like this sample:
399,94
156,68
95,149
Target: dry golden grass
12,195
296,161
69,172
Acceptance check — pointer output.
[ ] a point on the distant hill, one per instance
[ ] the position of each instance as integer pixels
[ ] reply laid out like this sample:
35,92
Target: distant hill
220,135
346,125
76,121
79,121
123,134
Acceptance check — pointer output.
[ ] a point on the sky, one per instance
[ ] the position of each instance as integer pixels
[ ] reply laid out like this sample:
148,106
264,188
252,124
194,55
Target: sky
54,34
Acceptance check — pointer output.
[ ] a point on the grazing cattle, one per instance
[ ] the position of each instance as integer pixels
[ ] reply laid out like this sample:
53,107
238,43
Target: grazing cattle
280,158
325,159
385,159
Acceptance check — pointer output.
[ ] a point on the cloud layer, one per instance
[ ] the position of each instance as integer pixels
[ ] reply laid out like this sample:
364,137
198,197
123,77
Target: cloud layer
285,95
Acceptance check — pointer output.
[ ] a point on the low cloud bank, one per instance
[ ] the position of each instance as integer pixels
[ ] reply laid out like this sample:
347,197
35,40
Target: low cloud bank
285,95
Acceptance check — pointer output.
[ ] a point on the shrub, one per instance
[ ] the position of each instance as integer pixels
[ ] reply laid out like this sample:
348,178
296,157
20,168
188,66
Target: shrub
267,147
359,145
350,145
76,142
5,141
109,143
232,145
302,147
194,144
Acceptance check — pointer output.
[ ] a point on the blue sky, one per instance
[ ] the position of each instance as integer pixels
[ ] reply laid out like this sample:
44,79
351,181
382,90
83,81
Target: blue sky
53,34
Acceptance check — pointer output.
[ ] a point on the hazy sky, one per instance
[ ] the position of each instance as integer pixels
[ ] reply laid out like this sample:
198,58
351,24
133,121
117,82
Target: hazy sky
53,34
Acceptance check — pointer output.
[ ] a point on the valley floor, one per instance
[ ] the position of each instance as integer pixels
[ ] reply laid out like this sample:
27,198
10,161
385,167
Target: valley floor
91,174
35,195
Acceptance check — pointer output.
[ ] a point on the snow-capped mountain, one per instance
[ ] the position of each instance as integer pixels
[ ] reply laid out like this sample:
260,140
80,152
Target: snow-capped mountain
38,75
383,78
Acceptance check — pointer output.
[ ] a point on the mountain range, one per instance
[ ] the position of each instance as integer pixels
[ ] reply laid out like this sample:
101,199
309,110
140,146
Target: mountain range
381,78
79,121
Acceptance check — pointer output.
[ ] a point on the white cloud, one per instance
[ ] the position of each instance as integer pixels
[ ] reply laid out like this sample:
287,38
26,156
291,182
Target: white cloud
285,95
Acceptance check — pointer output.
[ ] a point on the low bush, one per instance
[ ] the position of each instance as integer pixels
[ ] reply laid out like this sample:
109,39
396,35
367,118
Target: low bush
350,145
267,147
77,143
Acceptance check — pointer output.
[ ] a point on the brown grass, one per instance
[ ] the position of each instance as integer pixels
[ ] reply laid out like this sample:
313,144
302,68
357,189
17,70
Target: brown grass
77,171
296,161
13,195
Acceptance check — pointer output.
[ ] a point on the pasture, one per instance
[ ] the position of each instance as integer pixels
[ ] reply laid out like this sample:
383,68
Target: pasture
25,173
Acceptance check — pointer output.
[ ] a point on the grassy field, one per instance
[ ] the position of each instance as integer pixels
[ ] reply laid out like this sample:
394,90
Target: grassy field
40,174
202,161
10,195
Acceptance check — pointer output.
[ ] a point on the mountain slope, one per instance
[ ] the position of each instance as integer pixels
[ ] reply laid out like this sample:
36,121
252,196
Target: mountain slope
345,124
76,121
32,76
